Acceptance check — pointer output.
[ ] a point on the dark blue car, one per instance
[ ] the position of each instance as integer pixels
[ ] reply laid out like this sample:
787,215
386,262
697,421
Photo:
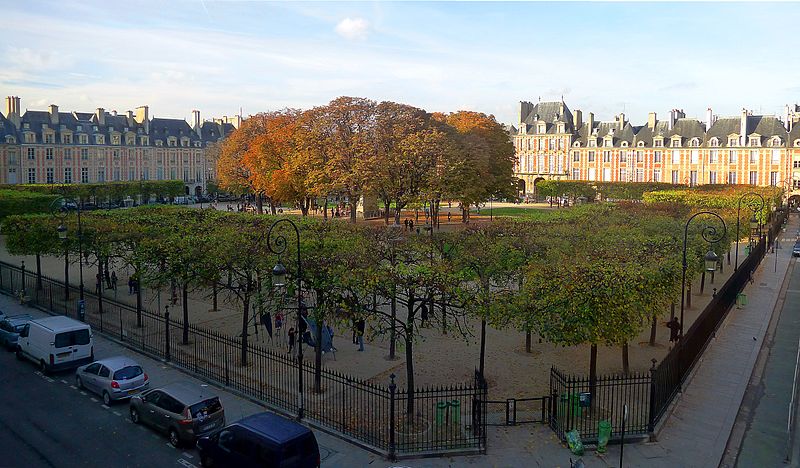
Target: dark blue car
10,327
261,440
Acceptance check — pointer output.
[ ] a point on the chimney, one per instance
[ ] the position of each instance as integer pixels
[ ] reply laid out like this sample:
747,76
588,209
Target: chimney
590,122
787,118
53,114
196,122
672,117
101,116
577,119
114,112
9,106
238,122
651,120
525,108
709,118
621,121
129,116
143,118
743,128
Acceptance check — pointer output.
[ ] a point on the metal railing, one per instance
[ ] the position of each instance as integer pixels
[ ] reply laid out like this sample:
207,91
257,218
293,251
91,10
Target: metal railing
368,413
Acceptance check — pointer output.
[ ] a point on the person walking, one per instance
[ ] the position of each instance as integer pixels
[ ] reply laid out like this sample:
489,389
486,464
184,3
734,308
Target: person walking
674,329
98,286
361,326
292,337
114,280
130,285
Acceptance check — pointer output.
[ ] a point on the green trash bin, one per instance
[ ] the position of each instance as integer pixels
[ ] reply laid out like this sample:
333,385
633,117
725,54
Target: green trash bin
441,409
741,300
746,250
603,435
570,405
455,411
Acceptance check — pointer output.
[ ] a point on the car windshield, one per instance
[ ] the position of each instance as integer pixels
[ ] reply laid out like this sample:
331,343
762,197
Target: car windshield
210,406
128,373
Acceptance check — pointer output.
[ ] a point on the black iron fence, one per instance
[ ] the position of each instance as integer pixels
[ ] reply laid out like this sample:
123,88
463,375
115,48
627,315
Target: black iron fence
391,421
513,411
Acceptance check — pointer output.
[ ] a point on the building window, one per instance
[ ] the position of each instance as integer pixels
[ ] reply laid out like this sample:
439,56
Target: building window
67,154
115,140
116,174
733,141
173,174
639,156
592,173
591,156
657,175
753,156
159,173
48,138
714,142
675,178
623,175
776,156
796,164
31,154
658,143
732,157
773,179
131,174
695,156
576,156
50,175
606,174
606,156
712,177
732,177
753,178
48,153
755,141
84,154
146,173
31,175
692,178
576,174
66,139
676,156
623,156
101,175
639,175
84,175
67,175
656,156
712,156
84,139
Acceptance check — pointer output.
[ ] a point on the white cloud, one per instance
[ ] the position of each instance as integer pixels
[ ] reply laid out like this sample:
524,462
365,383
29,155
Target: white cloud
353,28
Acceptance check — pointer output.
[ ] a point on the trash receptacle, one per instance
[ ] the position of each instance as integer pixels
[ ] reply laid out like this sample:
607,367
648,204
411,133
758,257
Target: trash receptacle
574,442
741,300
82,310
746,250
441,408
455,411
570,404
603,435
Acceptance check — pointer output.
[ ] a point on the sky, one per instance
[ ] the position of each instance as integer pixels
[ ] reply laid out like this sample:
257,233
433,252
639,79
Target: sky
220,57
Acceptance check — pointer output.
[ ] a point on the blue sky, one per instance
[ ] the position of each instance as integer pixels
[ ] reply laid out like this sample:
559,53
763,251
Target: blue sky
605,58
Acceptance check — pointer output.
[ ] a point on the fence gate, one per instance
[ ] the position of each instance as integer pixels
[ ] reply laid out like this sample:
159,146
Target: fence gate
513,411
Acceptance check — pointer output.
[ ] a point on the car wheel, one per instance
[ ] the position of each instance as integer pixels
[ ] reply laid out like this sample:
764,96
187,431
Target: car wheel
78,382
174,440
135,416
106,399
43,367
206,461
19,354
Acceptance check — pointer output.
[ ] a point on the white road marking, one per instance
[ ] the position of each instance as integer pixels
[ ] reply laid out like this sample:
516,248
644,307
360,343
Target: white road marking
84,393
64,382
73,387
105,407
94,400
187,455
185,463
117,413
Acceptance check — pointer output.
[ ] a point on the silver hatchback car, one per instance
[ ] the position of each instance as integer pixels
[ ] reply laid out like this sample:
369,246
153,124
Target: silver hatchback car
115,378
181,410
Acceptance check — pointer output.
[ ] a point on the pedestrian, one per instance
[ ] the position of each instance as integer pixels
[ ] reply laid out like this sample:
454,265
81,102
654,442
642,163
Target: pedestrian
292,337
361,326
448,216
114,280
674,329
355,329
99,284
410,224
424,313
130,285
405,224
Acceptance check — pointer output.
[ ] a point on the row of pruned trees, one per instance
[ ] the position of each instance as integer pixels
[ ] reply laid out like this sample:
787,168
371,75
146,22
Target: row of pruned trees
355,147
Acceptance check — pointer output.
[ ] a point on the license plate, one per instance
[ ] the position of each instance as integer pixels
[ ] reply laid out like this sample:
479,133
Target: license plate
133,392
63,354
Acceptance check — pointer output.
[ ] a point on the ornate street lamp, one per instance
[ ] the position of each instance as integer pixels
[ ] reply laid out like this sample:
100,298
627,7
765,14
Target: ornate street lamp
756,205
710,235
278,247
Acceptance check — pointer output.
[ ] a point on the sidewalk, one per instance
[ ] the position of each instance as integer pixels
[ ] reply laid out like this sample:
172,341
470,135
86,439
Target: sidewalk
697,430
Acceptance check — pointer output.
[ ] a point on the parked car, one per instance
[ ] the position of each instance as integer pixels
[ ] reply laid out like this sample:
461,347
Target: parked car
263,439
10,328
56,343
114,379
181,410
796,249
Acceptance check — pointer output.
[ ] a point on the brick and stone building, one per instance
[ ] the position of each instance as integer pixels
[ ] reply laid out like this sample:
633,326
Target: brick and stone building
83,147
553,142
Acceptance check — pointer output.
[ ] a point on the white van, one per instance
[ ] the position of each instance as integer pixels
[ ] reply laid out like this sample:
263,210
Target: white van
56,343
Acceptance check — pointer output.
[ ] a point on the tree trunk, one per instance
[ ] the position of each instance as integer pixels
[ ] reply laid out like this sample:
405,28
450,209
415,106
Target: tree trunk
353,205
593,369
185,300
245,319
410,374
481,367
464,211
259,204
672,311
689,296
138,304
653,326
38,271
100,291
392,329
318,356
325,209
386,205
108,275
66,275
729,256
444,315
527,341
215,291
702,281
305,204
626,367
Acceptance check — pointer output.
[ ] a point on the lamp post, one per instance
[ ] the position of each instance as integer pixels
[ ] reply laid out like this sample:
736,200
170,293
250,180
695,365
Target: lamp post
711,236
755,206
278,247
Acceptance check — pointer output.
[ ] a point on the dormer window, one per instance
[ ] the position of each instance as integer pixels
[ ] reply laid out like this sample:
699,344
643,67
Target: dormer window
714,142
94,127
577,144
26,125
640,144
100,139
144,141
776,141
658,142
159,143
541,128
561,128
139,131
80,128
797,143
130,141
675,142
694,142
624,144
754,141
733,141
10,139
592,142
115,140
197,144
83,139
